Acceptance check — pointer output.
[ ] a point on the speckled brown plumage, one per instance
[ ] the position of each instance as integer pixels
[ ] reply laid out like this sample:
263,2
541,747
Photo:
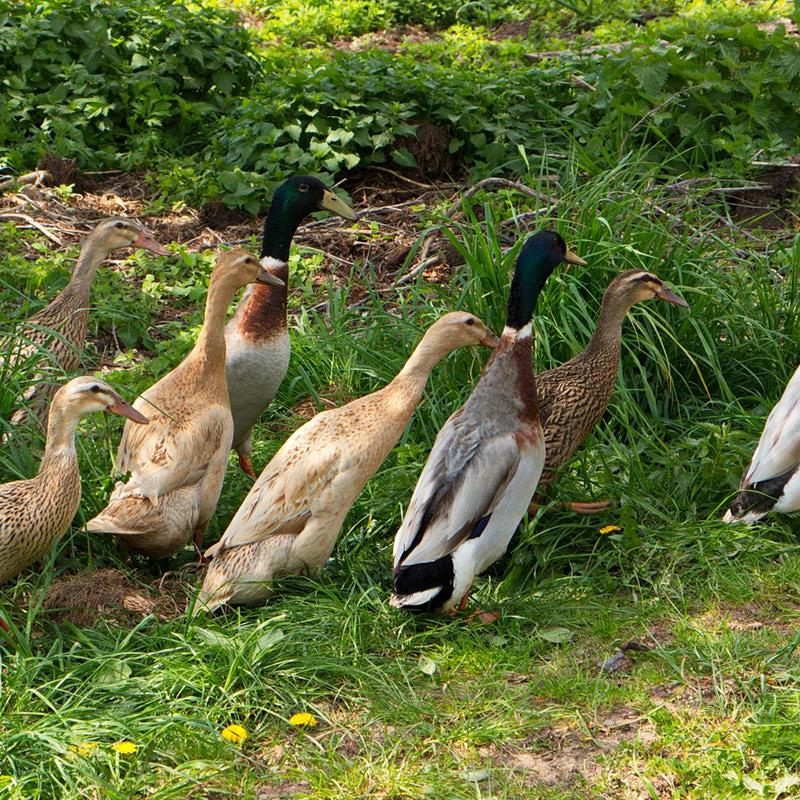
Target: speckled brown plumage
36,512
53,338
574,396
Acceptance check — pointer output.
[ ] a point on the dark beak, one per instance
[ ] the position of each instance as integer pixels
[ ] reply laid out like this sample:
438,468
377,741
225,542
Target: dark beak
146,242
670,297
124,410
265,276
334,204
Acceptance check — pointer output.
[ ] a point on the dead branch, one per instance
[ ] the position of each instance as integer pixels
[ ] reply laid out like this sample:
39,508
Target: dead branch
36,177
31,221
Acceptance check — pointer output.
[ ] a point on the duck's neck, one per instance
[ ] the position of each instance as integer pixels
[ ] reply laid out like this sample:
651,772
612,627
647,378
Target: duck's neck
92,255
208,353
413,378
263,309
607,334
59,452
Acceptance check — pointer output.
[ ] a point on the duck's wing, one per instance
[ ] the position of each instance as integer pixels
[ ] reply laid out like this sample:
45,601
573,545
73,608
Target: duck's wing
165,454
281,500
462,482
778,448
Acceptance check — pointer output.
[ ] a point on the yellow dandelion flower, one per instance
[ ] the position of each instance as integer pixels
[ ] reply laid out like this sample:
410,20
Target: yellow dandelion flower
609,529
84,748
303,720
234,733
124,748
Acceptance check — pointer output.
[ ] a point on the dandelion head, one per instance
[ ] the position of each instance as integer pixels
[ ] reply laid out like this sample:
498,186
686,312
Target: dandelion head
234,733
303,720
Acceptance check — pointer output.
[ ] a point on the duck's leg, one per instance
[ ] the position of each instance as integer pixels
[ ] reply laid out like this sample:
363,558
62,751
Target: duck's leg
578,507
197,540
247,465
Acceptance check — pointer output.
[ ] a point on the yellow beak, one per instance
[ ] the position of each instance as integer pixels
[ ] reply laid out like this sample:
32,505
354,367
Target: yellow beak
574,258
334,204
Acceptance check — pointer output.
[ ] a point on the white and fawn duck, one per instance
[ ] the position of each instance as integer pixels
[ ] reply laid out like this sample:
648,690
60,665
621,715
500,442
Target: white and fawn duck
772,480
177,463
289,522
35,513
574,396
485,462
256,335
52,339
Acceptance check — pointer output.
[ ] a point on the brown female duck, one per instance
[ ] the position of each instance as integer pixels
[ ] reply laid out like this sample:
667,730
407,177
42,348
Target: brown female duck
53,338
574,396
36,512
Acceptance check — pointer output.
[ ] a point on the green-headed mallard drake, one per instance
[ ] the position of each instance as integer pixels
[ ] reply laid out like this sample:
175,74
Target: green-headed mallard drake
256,336
485,462
177,463
35,513
54,337
574,396
771,482
289,521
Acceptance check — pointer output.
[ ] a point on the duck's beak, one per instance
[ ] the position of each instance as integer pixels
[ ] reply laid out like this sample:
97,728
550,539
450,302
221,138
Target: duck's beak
670,297
334,204
146,242
490,340
573,258
125,410
265,276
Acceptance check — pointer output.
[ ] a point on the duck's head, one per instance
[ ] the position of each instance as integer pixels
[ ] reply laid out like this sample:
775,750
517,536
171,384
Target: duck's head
302,195
238,267
85,395
118,232
537,259
461,329
749,507
292,202
636,285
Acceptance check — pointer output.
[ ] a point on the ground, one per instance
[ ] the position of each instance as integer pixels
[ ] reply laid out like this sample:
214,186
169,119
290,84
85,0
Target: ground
655,658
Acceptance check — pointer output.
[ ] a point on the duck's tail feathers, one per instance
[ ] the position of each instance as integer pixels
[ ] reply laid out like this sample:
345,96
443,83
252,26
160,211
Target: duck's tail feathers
415,601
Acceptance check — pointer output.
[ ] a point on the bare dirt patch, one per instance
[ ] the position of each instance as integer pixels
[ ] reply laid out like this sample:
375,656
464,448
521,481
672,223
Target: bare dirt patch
283,791
560,756
107,594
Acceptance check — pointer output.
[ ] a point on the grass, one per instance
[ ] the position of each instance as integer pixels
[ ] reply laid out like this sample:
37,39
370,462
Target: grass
412,707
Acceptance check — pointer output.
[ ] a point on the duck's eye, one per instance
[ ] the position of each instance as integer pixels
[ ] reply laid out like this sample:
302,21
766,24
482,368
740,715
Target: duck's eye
303,187
470,321
119,225
94,388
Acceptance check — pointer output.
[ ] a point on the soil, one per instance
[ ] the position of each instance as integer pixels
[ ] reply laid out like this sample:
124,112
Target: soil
84,598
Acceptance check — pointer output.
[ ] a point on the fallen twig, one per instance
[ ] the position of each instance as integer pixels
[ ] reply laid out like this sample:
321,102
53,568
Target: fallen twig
31,221
36,177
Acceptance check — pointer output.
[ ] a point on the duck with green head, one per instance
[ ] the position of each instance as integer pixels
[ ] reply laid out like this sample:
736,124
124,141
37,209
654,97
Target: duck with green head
485,462
256,337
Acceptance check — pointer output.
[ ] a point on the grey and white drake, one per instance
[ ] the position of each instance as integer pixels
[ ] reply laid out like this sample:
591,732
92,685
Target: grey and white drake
485,462
256,336
772,480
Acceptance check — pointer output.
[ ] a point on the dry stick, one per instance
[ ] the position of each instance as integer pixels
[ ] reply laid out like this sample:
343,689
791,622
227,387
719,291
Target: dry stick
31,221
429,186
35,178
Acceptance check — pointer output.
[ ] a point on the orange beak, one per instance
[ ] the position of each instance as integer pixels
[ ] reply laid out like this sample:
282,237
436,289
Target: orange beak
125,410
146,242
490,340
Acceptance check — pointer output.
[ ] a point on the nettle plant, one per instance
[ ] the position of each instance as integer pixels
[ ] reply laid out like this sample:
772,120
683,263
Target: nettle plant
98,80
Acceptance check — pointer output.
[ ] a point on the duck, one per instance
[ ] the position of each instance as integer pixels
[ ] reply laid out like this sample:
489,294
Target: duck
771,481
257,336
289,522
52,339
177,463
35,513
485,462
574,396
